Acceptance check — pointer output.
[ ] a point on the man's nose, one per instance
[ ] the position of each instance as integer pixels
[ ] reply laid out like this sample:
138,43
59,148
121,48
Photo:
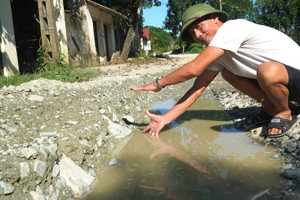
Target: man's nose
196,33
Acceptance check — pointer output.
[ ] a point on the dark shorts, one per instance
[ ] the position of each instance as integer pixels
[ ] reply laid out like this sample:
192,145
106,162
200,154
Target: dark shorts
293,84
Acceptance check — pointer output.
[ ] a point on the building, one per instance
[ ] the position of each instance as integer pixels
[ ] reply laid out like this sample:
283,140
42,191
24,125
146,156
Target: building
84,32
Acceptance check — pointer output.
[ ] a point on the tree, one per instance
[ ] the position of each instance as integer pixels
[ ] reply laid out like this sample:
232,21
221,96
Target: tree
283,15
175,11
235,9
160,39
132,9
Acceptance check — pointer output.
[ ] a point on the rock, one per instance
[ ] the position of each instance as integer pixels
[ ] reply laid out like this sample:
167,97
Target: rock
92,172
35,98
49,134
113,162
2,133
76,178
99,140
129,119
52,148
115,117
37,195
290,146
6,188
296,136
275,157
55,170
70,122
28,152
52,194
293,174
287,166
24,169
102,111
118,131
39,167
60,183
291,196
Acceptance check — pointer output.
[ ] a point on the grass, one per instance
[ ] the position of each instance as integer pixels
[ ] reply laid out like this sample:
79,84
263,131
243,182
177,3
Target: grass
58,70
65,73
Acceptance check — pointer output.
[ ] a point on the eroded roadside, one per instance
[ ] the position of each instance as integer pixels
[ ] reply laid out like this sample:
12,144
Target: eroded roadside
55,135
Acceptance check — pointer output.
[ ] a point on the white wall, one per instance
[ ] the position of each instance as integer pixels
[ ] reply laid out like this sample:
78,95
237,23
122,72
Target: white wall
61,28
7,42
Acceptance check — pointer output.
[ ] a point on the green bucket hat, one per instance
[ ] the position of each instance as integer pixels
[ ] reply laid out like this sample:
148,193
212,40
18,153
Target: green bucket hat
195,12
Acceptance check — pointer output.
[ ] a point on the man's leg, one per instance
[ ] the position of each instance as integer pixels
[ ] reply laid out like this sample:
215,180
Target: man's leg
273,79
249,88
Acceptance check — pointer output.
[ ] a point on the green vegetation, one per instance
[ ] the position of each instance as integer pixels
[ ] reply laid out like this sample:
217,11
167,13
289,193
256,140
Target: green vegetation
56,70
65,73
283,15
161,40
194,48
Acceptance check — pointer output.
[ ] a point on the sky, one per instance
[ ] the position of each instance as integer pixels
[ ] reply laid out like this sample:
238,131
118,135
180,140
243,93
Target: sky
155,15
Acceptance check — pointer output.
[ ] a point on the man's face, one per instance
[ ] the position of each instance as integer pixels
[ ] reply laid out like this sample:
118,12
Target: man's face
204,30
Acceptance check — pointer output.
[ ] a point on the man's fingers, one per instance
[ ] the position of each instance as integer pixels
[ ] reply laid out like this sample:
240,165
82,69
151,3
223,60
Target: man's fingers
136,88
148,113
146,129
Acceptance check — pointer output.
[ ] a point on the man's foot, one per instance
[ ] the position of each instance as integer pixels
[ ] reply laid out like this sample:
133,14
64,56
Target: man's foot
281,125
256,121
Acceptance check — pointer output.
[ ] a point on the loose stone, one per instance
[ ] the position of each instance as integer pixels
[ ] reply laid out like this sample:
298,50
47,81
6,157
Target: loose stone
39,167
6,188
35,98
113,162
24,169
76,178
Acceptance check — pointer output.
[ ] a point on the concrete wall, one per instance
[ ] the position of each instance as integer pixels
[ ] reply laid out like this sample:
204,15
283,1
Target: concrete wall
80,34
61,29
106,41
8,51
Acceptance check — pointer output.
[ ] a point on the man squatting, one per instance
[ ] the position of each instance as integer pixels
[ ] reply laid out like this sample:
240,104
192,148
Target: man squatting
257,60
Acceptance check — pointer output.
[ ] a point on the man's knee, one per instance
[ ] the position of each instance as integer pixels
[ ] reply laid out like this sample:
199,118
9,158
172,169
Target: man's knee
272,72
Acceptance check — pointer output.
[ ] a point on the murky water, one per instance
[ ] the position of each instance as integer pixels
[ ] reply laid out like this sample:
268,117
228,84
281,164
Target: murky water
199,156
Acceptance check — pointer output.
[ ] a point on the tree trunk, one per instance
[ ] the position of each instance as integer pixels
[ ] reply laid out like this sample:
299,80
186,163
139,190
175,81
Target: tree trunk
131,32
127,44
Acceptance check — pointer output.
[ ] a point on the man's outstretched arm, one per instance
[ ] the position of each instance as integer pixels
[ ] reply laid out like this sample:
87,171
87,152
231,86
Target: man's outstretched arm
190,70
159,121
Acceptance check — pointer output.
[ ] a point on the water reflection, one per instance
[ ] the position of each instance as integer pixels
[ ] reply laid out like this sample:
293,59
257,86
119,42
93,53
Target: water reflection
197,159
236,144
161,147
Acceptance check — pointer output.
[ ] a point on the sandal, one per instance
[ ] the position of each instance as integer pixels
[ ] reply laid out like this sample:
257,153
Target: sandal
283,124
259,120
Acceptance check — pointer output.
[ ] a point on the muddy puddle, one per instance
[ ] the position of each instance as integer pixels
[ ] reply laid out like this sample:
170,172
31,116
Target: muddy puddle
199,156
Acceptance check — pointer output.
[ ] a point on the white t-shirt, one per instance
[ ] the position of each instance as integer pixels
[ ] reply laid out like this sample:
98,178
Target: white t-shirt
247,45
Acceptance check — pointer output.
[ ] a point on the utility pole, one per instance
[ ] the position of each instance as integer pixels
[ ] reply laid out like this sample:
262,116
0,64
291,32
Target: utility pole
220,4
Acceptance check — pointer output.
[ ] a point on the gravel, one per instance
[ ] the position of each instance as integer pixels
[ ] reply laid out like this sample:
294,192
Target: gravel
54,134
